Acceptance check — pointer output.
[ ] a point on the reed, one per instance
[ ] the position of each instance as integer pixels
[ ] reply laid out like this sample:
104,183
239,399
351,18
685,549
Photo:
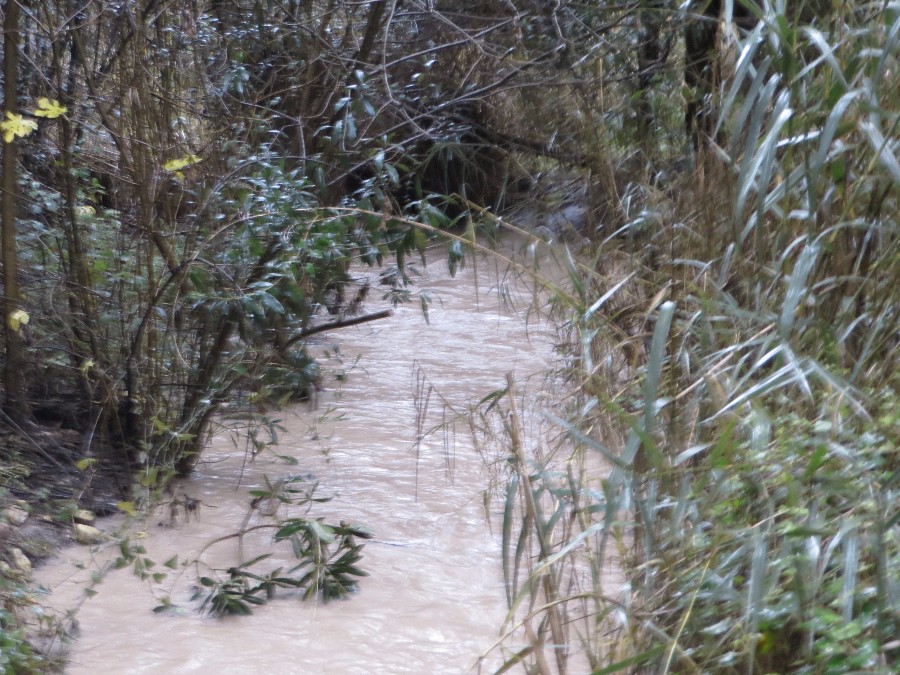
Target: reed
729,447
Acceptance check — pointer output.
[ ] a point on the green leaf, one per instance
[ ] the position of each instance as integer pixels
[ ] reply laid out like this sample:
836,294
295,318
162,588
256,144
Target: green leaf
816,461
322,531
392,173
722,452
638,659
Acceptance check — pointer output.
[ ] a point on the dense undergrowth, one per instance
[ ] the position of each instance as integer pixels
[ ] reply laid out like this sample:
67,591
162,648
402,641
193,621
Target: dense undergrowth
733,351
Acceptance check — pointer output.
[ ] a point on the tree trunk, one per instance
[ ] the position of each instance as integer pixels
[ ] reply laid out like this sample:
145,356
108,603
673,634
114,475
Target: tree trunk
701,73
651,56
14,403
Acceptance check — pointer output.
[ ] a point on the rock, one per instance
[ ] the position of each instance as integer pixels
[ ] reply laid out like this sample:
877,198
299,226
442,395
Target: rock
572,217
15,515
85,534
84,517
20,561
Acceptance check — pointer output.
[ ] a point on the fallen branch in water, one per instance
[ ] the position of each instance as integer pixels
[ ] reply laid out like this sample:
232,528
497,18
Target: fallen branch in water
331,325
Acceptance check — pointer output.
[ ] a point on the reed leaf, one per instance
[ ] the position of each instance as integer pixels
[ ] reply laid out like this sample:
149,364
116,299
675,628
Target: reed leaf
576,433
883,151
797,289
510,576
849,573
756,582
636,660
655,363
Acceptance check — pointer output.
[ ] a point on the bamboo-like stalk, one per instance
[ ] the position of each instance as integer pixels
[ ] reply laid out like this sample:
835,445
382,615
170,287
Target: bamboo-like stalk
549,581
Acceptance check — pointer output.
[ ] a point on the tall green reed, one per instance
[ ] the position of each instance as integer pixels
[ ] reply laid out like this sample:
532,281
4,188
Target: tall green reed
733,427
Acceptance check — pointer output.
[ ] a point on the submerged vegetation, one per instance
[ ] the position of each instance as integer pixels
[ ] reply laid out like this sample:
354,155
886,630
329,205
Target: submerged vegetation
185,187
326,554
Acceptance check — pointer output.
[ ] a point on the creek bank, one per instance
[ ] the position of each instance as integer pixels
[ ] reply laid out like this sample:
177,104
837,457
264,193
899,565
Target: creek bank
43,494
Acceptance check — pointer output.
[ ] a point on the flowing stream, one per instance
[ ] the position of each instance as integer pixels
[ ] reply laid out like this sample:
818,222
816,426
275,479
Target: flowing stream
434,598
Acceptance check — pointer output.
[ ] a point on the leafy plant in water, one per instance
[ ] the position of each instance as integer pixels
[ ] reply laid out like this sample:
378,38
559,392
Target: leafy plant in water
328,555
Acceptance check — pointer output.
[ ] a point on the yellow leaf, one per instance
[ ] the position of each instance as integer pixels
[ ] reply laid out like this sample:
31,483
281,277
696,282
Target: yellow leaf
49,109
127,507
176,165
17,319
16,125
86,366
85,463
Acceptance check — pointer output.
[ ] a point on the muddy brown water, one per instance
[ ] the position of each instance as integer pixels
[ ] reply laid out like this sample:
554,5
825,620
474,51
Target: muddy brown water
434,599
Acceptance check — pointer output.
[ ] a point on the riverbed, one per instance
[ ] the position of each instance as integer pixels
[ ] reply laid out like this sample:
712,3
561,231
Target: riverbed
434,599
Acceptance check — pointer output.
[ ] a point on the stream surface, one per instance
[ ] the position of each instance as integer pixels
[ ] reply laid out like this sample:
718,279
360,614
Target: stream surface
434,598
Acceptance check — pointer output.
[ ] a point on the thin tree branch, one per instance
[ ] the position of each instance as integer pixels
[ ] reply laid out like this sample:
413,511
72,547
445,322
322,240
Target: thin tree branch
332,325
